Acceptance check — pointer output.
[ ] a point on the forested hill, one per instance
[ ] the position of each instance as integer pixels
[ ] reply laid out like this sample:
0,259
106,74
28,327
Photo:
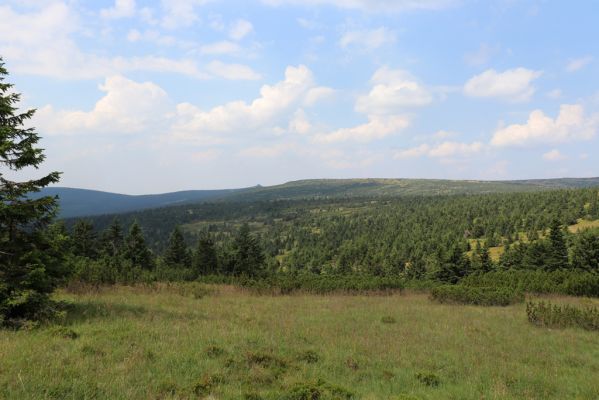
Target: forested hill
81,202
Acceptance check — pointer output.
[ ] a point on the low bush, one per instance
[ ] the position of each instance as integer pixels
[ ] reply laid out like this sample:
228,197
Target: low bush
568,282
562,316
322,284
480,296
318,390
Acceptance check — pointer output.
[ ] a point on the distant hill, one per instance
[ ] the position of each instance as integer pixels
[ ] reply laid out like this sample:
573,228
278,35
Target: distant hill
82,202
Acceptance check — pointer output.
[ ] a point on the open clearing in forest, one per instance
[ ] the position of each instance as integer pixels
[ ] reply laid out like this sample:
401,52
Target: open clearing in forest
171,341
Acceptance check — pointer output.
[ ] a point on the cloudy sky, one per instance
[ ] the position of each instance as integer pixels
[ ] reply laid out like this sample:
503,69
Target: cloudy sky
141,96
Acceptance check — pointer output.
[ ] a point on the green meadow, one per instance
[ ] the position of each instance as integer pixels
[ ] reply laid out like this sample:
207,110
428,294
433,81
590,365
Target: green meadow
187,341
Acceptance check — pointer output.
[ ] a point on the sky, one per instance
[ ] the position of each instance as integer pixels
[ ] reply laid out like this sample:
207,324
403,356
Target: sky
138,96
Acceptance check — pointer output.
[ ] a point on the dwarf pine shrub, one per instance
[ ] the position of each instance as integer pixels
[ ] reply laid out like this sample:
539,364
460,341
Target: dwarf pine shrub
480,296
562,316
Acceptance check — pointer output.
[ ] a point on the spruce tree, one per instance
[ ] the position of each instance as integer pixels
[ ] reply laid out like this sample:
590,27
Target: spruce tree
558,251
205,260
112,239
84,239
248,256
29,265
177,254
136,249
585,251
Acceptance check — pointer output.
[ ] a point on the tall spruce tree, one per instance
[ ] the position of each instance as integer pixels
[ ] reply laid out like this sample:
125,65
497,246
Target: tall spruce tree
112,239
177,253
84,239
136,249
248,256
29,265
205,260
558,251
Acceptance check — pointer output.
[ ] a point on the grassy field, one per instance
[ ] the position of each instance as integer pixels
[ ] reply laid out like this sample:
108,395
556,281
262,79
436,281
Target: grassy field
172,342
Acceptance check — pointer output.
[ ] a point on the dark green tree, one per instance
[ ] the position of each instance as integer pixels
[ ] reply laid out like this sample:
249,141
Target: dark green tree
136,250
453,267
585,251
177,253
205,260
558,251
248,257
30,266
83,239
112,239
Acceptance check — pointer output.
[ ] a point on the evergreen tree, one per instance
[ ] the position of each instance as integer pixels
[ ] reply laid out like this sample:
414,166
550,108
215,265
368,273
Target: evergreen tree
29,264
84,239
558,251
136,249
453,267
177,253
585,251
205,260
248,256
112,239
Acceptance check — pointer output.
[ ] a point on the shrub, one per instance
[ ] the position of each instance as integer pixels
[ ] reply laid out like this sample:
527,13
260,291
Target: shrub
428,379
308,356
480,296
388,320
546,314
568,282
318,390
322,284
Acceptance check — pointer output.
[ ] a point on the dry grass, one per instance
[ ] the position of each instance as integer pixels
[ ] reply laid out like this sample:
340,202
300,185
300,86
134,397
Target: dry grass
148,343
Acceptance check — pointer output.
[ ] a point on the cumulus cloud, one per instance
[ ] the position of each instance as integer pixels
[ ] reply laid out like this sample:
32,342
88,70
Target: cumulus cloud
377,127
392,91
441,150
370,5
367,39
240,29
578,63
180,13
127,107
275,104
40,43
554,155
512,84
571,124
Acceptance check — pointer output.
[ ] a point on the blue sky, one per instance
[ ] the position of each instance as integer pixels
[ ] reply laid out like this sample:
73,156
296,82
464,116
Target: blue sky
151,96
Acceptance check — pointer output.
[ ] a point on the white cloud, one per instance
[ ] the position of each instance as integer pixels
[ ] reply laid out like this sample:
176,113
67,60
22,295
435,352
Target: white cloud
317,94
240,29
232,71
370,5
127,107
299,123
275,104
570,125
512,84
367,39
377,127
441,150
393,91
40,43
121,9
554,155
578,63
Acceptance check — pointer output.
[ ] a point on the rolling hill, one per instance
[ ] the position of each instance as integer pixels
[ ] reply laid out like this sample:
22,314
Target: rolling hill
83,202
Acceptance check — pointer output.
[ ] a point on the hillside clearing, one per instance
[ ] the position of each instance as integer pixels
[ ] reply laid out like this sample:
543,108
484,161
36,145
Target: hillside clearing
164,343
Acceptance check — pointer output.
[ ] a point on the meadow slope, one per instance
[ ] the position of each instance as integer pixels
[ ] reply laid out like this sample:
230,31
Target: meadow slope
177,342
